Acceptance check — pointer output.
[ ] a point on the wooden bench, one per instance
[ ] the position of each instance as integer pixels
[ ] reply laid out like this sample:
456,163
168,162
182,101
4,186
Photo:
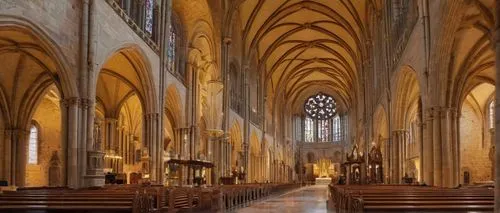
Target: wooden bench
63,200
240,195
401,198
135,198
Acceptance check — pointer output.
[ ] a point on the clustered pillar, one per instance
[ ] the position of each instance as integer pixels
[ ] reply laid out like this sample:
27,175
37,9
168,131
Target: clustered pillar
497,108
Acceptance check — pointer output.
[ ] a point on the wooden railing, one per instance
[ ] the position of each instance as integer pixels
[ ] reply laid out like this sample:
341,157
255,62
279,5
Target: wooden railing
150,39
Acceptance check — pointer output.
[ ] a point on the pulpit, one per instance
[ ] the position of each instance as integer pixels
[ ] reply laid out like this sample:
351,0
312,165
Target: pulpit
353,166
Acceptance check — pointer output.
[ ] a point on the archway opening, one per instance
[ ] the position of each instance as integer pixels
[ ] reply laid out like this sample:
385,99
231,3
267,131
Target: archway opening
255,159
406,135
121,111
381,139
476,135
236,145
33,81
45,148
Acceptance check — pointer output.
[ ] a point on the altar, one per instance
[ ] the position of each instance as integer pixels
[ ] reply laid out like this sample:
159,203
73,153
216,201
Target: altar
323,180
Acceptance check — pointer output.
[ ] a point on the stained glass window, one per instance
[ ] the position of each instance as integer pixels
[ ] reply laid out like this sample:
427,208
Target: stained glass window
322,123
309,130
33,146
149,16
337,133
320,106
491,114
324,130
171,50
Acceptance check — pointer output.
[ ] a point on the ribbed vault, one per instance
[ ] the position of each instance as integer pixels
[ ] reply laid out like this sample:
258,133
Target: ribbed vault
304,47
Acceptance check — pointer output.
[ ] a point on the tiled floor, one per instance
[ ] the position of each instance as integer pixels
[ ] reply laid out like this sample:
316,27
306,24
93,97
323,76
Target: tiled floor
311,199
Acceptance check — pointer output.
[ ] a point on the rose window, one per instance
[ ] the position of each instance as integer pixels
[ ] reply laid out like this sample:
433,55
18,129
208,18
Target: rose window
320,106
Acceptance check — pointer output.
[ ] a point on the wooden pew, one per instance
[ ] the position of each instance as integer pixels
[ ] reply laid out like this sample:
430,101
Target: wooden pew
63,200
136,198
234,196
401,198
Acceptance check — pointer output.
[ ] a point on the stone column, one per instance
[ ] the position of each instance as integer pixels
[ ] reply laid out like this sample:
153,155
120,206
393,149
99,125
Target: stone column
497,108
213,155
110,130
437,147
223,157
492,152
443,124
453,155
420,141
226,75
395,158
18,145
246,128
6,157
228,156
428,148
163,37
399,140
72,105
152,144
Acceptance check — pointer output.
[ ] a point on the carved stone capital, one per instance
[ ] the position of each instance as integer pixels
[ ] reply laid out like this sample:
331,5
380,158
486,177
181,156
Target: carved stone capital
152,116
72,101
227,41
16,131
85,103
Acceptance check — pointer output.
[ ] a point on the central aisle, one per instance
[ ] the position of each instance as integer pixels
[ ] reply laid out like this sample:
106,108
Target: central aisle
311,199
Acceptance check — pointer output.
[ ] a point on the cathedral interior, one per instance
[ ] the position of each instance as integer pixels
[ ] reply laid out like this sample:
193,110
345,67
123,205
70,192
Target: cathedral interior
238,100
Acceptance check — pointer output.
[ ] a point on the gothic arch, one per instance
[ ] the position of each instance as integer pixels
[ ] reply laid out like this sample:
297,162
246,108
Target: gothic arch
32,63
180,44
129,65
473,60
405,98
380,124
66,82
475,138
173,106
236,144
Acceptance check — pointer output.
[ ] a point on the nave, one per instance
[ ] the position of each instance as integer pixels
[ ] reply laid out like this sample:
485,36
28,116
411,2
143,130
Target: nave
310,199
173,105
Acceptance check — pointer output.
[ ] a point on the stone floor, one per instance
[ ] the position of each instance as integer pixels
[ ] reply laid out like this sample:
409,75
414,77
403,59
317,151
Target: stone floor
311,199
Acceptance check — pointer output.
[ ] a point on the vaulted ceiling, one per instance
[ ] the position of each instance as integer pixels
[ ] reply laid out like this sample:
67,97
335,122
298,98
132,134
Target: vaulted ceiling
306,46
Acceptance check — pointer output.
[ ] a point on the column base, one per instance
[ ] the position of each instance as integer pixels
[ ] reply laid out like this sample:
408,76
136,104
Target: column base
95,172
94,180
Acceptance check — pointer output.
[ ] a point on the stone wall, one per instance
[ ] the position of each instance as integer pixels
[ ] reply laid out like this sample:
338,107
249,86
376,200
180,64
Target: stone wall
59,19
48,116
474,152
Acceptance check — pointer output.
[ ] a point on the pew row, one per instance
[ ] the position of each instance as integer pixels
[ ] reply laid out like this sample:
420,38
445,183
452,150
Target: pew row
136,198
404,198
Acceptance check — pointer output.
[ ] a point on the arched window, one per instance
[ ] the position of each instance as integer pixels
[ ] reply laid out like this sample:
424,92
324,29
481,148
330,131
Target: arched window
149,16
33,145
324,130
491,114
176,48
171,57
309,130
322,123
235,87
337,134
320,106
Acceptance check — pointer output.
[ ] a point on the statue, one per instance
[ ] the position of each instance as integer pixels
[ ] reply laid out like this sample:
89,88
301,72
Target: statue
55,170
97,135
